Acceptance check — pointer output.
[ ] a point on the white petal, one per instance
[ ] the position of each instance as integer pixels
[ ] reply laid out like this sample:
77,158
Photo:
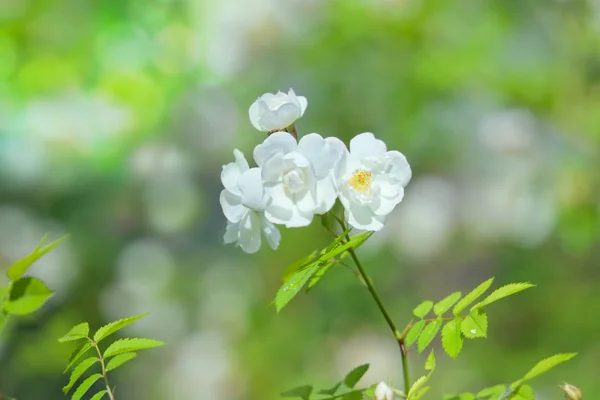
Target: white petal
279,210
321,154
232,232
230,176
250,228
303,104
306,203
273,169
326,194
271,233
278,142
399,168
280,118
366,145
254,113
252,189
361,217
232,206
240,161
387,204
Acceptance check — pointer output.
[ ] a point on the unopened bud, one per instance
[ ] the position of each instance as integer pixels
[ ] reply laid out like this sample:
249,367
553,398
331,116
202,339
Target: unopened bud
383,392
572,392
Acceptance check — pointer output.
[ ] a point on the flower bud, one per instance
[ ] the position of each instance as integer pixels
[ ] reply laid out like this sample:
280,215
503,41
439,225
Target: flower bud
572,392
275,112
383,392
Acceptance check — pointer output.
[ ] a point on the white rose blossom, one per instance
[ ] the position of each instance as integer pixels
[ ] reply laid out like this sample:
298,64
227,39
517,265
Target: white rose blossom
275,112
243,201
297,176
383,392
370,181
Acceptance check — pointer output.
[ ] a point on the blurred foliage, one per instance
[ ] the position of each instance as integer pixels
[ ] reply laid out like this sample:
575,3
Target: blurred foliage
115,119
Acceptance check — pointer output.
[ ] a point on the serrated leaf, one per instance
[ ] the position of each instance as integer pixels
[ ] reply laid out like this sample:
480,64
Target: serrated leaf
99,395
428,334
335,243
353,395
78,353
85,386
446,303
414,389
354,376
414,332
293,285
19,267
462,396
421,393
354,242
547,364
472,296
422,309
130,345
452,339
524,392
316,278
302,392
475,324
113,327
298,265
26,296
430,362
119,360
503,292
370,391
331,391
492,393
79,331
78,371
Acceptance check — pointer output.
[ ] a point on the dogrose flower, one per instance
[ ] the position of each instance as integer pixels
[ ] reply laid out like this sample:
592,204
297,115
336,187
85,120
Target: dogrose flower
274,112
243,201
370,181
383,392
297,176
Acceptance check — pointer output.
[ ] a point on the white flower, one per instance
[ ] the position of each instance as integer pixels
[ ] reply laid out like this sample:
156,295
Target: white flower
370,181
272,112
243,201
297,176
383,392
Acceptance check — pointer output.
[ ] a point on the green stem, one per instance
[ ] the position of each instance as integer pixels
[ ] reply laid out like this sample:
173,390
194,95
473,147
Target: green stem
399,337
104,375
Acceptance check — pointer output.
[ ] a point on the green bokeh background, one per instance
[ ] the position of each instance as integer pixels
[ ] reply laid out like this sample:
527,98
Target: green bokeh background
117,115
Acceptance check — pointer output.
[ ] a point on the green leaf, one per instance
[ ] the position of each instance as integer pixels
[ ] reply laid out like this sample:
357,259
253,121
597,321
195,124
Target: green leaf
353,395
99,395
77,332
335,243
472,296
293,285
428,334
419,394
331,391
492,393
302,392
26,296
316,278
354,242
113,327
85,386
414,332
462,396
3,319
414,389
17,269
422,309
430,362
475,324
524,392
444,305
298,265
547,364
79,351
452,339
129,345
354,376
502,292
119,360
78,371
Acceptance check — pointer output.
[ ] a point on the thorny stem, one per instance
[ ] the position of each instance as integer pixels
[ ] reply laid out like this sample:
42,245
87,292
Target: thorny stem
108,389
399,337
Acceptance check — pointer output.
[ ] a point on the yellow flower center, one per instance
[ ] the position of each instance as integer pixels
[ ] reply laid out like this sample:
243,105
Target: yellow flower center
361,181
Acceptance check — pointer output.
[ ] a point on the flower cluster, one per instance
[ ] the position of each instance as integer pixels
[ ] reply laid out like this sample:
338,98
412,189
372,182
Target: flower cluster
297,179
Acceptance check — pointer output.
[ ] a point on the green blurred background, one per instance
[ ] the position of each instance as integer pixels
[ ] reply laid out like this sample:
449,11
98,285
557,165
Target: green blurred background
117,115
